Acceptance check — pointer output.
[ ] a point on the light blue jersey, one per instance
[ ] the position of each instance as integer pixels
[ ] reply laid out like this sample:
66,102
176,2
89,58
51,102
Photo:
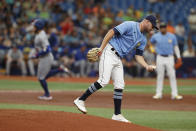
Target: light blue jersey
130,38
164,43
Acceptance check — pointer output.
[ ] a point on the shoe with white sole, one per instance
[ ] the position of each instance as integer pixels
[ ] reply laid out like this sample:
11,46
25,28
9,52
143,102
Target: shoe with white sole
120,117
80,105
157,97
47,98
178,97
65,69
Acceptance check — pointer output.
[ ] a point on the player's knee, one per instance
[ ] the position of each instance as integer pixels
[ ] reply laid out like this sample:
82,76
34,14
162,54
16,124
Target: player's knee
172,77
103,83
118,88
119,85
96,86
160,76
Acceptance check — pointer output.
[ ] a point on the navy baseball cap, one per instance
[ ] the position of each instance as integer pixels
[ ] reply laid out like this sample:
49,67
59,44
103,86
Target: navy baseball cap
39,24
153,21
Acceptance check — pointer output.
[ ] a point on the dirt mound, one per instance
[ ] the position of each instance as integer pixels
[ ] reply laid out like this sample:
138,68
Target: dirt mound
102,99
29,120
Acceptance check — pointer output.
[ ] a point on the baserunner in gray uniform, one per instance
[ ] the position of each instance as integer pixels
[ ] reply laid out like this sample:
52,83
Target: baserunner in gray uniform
43,52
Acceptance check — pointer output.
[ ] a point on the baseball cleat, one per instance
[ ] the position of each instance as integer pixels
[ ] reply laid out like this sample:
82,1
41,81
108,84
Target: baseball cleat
178,97
120,117
157,97
47,98
80,105
65,69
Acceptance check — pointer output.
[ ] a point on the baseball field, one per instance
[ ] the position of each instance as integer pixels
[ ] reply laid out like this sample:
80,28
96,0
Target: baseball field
20,110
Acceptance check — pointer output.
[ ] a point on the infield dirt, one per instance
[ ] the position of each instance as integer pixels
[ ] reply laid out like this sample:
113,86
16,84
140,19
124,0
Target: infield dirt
28,120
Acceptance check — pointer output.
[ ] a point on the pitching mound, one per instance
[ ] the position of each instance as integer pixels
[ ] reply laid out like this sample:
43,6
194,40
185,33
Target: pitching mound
28,120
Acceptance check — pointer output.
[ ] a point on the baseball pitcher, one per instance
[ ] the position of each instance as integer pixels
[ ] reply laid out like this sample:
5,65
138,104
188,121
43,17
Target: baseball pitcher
117,43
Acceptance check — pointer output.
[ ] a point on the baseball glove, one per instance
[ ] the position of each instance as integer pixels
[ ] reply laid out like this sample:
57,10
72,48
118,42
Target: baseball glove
93,54
178,63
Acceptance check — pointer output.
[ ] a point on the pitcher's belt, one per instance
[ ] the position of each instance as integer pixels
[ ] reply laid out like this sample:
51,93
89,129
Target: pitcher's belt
115,52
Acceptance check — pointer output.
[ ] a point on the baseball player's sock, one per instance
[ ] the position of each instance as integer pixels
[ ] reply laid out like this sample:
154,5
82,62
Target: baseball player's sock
117,101
45,87
94,87
53,72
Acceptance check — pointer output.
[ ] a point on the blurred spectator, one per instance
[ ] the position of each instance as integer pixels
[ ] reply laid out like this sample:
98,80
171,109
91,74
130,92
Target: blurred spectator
189,52
14,35
28,38
67,58
92,68
170,27
7,43
77,20
2,56
192,26
87,9
31,13
67,25
56,55
2,52
90,22
15,55
32,62
150,59
139,14
80,60
71,23
93,39
119,17
131,10
72,39
180,34
44,14
153,1
53,35
17,9
107,20
130,17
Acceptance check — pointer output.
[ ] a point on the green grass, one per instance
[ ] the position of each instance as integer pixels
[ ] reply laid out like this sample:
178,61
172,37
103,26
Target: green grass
165,120
33,85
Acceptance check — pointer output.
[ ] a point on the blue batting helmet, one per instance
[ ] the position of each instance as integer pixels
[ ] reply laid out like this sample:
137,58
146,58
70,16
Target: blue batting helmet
39,24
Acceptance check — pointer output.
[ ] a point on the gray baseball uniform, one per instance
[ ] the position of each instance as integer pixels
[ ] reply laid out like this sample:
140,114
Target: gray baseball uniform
15,56
41,43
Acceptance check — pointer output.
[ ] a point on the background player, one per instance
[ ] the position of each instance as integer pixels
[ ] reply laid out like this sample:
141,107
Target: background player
14,54
45,56
122,39
165,45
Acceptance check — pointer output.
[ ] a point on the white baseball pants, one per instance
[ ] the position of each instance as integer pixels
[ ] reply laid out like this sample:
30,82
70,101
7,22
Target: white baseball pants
166,63
110,65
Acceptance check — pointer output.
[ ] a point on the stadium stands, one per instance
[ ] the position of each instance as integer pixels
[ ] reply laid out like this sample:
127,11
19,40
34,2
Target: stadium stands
71,24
